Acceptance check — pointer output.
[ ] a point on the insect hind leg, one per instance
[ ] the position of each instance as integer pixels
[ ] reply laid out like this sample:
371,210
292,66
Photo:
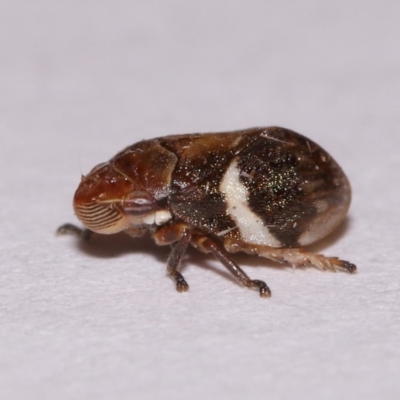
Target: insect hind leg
297,257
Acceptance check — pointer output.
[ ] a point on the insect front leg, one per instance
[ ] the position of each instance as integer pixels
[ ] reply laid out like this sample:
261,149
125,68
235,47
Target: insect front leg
174,261
207,245
179,237
297,257
70,229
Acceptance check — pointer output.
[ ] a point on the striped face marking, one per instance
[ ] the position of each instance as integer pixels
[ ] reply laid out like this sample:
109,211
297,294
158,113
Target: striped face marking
102,218
249,224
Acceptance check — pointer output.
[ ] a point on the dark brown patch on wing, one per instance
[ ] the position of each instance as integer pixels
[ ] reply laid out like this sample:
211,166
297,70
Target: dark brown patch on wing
286,175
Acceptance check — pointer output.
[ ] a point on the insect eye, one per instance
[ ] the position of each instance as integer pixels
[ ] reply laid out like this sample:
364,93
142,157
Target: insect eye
139,203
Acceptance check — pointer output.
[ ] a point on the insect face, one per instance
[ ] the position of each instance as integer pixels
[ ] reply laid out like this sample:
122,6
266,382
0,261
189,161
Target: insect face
108,202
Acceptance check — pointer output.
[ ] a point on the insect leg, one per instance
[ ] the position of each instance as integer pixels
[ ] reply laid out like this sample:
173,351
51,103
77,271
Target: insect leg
296,257
208,245
178,251
70,229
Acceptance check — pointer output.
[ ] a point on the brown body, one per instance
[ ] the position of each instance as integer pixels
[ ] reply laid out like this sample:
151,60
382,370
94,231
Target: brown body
265,191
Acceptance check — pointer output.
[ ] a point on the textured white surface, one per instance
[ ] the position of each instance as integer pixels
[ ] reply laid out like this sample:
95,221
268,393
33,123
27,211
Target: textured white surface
81,80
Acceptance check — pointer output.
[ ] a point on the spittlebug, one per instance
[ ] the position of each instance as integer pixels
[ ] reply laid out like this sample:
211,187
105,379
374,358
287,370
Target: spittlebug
263,191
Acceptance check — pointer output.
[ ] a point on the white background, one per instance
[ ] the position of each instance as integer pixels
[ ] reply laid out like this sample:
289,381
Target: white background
80,80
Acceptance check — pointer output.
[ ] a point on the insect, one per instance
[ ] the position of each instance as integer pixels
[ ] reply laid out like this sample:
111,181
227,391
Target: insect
263,191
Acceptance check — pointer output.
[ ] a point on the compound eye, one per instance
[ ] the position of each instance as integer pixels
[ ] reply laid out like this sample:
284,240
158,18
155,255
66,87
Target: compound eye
138,203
